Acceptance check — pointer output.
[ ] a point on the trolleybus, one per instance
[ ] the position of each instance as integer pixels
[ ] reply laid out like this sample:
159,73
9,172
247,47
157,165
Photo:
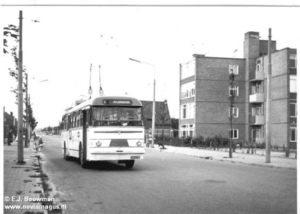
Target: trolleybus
102,129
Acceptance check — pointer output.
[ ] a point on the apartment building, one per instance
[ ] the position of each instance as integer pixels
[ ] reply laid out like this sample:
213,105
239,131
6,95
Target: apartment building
205,91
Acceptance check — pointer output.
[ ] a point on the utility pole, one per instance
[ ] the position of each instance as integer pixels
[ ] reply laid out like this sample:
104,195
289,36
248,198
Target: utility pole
268,122
153,112
27,115
20,93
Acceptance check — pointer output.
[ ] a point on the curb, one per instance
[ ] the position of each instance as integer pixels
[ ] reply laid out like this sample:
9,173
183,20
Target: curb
209,157
39,181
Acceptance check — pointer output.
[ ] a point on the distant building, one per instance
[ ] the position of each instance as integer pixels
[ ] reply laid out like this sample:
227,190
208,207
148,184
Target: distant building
10,122
205,91
162,117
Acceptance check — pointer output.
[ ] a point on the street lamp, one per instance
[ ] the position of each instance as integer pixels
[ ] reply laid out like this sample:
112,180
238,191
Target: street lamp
231,98
153,108
20,93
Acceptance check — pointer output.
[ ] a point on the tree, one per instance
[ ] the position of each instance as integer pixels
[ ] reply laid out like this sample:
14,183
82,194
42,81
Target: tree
163,114
32,121
10,31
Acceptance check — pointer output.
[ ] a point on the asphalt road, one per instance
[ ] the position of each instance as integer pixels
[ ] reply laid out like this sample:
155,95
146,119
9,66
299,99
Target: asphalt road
168,183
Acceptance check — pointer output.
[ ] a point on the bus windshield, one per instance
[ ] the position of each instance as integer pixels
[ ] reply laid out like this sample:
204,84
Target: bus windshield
117,116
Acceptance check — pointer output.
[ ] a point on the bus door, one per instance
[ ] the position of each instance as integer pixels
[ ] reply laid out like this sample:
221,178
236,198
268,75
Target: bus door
84,132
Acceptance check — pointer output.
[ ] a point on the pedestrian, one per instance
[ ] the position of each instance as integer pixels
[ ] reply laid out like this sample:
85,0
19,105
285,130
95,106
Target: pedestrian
34,135
10,137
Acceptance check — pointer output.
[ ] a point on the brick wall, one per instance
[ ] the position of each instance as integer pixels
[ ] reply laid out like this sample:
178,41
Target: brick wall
212,93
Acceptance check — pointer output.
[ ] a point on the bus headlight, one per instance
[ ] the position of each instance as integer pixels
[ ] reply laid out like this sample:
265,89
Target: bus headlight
139,143
98,143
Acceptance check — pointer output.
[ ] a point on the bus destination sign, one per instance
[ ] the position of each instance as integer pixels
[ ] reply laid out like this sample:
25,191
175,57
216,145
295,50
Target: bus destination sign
117,102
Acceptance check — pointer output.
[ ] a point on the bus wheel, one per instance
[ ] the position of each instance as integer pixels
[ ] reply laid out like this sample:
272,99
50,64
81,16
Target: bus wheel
66,157
129,164
82,161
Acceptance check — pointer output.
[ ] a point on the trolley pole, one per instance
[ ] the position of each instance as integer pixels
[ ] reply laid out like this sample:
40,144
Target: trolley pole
153,112
20,95
268,124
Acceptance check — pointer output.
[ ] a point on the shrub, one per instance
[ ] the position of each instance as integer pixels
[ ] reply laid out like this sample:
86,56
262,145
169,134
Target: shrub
261,145
187,140
207,142
198,141
175,142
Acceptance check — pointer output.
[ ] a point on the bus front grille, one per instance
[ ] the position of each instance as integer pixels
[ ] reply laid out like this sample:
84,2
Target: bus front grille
118,143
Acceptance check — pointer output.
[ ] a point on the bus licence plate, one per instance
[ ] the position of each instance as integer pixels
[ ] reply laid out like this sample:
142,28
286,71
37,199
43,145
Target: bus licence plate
135,157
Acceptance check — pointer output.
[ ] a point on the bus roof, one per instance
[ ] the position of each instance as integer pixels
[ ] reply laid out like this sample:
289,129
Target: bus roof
106,101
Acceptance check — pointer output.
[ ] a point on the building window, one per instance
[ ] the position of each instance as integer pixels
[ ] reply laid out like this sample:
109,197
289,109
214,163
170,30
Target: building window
293,110
187,130
293,137
258,65
188,111
258,110
234,112
293,83
234,69
184,112
234,133
257,88
193,110
188,90
257,133
193,92
233,91
293,61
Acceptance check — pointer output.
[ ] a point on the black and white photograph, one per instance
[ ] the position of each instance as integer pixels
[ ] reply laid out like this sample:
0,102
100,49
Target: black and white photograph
149,107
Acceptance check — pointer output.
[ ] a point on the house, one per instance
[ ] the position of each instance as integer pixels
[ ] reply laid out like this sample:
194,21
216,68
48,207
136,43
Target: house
162,117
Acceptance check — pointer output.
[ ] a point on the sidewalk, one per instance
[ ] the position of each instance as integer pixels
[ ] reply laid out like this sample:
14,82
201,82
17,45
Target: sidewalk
22,182
277,161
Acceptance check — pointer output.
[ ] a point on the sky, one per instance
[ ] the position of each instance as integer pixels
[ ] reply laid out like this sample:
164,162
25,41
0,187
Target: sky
68,43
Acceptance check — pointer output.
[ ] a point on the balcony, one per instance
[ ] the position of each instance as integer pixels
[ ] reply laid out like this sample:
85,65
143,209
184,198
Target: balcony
256,76
257,98
257,120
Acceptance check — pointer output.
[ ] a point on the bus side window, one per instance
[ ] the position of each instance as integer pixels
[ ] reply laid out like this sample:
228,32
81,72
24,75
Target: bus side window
74,121
69,122
90,117
81,119
88,113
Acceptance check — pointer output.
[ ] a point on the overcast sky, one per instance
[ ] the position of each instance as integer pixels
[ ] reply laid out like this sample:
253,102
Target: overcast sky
65,41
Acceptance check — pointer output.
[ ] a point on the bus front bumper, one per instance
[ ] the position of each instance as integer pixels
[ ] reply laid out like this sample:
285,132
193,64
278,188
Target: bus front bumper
119,153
